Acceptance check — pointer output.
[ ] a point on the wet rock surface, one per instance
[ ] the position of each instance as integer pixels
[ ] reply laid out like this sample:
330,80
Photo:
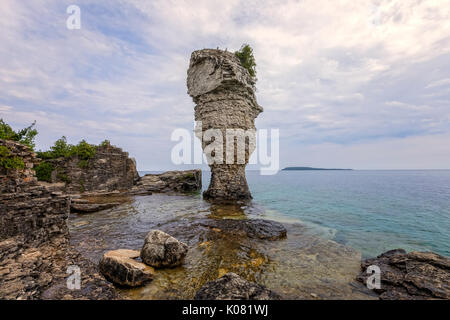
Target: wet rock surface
121,268
251,228
170,181
91,207
223,92
410,276
162,250
233,287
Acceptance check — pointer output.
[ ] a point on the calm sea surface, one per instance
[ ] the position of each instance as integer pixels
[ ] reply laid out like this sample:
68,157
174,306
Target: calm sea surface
371,211
333,218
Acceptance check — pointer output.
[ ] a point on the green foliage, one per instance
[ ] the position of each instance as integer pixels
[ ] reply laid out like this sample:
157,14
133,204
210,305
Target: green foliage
84,150
83,164
61,149
8,161
44,171
4,152
25,136
245,55
105,143
82,187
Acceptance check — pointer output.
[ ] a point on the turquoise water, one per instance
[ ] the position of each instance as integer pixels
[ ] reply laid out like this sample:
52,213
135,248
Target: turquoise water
370,211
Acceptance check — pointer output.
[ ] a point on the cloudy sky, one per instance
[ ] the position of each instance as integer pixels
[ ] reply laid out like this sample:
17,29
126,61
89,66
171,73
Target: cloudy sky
355,84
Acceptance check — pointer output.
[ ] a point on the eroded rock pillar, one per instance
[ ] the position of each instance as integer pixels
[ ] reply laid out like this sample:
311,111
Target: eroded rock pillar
223,92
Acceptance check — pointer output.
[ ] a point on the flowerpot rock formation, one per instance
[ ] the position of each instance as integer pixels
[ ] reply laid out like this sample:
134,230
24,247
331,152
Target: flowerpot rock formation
223,92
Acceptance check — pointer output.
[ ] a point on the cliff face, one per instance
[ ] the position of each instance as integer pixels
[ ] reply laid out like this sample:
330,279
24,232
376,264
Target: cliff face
27,209
110,169
223,92
34,246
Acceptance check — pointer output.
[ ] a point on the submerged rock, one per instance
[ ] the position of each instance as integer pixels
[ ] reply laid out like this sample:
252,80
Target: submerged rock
233,287
410,276
91,207
223,92
120,267
252,228
162,250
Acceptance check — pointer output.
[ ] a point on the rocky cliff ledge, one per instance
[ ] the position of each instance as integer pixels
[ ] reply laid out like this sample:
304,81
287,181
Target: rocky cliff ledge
223,92
34,248
110,169
170,181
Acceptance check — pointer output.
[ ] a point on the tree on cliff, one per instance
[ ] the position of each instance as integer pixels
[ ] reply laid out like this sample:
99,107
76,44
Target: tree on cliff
25,136
245,55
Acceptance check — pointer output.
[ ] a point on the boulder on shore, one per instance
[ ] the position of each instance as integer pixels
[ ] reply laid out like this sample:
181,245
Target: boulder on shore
233,287
162,250
121,268
410,276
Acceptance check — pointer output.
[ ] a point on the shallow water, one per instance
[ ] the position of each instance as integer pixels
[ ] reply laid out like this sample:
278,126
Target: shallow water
296,267
332,218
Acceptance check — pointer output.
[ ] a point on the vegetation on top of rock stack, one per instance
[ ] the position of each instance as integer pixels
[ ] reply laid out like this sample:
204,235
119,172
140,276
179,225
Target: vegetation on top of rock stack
62,149
8,161
245,55
25,136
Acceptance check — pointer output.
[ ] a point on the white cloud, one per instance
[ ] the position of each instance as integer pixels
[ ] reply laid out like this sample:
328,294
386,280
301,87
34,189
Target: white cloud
329,72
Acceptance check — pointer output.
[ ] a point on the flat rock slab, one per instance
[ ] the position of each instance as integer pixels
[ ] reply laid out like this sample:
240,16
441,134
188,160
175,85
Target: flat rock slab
410,276
252,228
83,207
121,268
233,287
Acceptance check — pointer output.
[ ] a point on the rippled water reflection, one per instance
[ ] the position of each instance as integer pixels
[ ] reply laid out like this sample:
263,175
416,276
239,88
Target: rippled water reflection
297,267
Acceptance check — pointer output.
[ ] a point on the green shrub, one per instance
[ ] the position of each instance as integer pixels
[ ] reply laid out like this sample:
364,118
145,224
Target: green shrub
83,150
83,164
61,148
25,136
245,55
8,161
105,143
44,171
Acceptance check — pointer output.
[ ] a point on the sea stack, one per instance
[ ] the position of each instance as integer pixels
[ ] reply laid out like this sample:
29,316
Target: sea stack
223,92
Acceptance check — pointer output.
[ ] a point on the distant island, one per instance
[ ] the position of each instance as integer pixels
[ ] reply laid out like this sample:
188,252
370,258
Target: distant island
308,168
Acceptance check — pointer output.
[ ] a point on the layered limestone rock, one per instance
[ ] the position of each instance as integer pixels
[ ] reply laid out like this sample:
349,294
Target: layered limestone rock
410,276
170,181
223,92
120,267
34,249
110,169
